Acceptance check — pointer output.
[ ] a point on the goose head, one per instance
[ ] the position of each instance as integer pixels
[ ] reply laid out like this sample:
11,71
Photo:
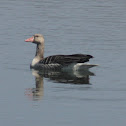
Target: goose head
37,39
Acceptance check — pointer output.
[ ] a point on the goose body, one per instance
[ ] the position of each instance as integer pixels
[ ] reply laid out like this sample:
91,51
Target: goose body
56,61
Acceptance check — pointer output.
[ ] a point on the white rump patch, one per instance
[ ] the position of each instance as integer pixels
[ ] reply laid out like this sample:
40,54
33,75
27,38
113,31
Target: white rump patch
79,66
82,66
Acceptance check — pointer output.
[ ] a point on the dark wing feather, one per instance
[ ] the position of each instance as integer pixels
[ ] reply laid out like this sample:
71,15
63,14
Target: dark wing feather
66,59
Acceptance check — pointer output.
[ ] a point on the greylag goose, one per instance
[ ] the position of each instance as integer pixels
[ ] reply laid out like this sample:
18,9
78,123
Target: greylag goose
55,61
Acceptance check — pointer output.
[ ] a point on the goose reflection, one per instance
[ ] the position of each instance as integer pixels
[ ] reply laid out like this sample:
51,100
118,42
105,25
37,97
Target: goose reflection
56,76
76,77
37,92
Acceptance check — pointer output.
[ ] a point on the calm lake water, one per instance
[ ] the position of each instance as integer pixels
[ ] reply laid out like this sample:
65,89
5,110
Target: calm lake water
75,26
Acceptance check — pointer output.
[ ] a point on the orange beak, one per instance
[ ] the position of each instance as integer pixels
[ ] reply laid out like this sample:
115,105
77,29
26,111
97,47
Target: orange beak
30,39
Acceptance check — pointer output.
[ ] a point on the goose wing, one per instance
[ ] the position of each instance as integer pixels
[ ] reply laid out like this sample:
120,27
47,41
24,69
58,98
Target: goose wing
66,59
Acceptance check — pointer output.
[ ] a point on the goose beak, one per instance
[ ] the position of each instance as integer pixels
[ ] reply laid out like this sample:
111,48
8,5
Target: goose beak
30,39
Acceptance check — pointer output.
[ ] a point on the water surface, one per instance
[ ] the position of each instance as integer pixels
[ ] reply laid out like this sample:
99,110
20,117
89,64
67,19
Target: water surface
74,26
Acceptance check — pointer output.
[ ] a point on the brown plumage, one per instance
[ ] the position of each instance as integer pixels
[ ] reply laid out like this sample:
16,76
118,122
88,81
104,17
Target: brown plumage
66,59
